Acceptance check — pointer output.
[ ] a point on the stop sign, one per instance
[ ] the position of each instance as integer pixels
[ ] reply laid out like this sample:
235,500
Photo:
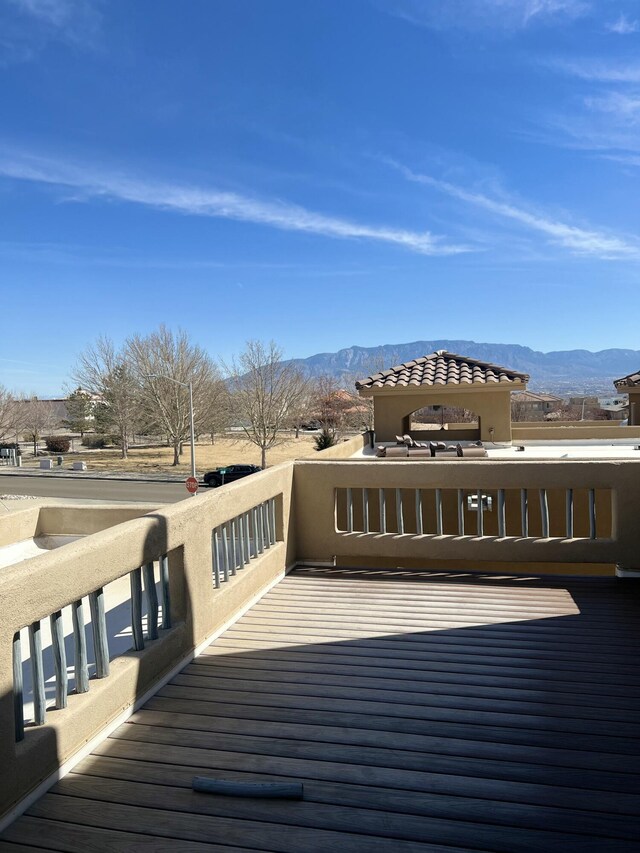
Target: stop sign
192,485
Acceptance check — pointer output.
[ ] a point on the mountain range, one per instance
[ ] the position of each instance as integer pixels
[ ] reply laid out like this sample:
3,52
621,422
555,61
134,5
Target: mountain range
562,371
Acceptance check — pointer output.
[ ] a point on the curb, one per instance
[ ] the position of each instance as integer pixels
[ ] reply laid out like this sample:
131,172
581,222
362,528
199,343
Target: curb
65,476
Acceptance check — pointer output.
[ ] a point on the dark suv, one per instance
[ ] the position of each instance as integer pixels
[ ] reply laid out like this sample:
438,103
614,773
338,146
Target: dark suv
228,474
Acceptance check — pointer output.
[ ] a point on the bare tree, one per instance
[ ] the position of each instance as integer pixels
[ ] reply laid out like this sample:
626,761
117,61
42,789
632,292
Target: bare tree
264,394
105,372
35,418
8,413
215,414
164,364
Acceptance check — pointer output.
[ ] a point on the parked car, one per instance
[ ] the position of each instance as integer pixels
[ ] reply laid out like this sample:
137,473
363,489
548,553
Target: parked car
228,474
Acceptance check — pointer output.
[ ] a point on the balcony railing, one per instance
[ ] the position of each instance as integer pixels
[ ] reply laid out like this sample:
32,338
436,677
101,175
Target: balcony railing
188,570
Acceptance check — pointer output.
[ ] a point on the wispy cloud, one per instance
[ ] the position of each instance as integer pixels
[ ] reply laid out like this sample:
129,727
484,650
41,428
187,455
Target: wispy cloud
91,183
597,71
623,26
27,26
578,240
490,15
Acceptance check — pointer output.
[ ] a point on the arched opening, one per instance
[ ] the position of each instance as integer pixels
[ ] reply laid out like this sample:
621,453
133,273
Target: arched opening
445,421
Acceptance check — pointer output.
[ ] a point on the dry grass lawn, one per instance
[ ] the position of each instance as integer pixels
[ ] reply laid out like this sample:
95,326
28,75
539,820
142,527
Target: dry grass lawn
157,460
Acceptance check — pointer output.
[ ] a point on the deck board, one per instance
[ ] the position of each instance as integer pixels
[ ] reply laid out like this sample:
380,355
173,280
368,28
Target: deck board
423,711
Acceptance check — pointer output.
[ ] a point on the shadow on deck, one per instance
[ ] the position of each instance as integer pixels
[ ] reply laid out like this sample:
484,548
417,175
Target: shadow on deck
424,711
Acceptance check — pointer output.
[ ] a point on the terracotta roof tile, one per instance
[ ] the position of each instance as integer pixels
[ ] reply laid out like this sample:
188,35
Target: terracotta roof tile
444,368
628,381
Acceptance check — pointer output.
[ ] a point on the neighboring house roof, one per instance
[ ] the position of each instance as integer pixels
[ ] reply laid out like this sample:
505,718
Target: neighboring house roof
633,379
533,397
442,368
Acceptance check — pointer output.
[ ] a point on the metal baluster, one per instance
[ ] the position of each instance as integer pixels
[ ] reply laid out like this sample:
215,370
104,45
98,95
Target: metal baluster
399,513
524,512
254,527
247,535
164,586
349,511
37,674
135,578
216,558
569,513
241,561
383,511
460,512
152,601
502,521
59,659
18,699
479,515
263,536
267,526
592,513
81,667
272,509
439,512
544,513
365,509
419,522
225,553
99,629
234,557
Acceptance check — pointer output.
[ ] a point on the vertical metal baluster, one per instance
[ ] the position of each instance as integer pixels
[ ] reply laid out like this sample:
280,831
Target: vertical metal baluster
502,521
592,513
383,511
399,513
480,524
263,532
254,529
365,509
37,674
349,511
544,513
569,513
164,586
241,561
59,659
225,553
247,535
234,553
524,512
152,601
267,525
81,667
18,699
215,551
460,512
135,578
272,510
419,521
99,629
439,512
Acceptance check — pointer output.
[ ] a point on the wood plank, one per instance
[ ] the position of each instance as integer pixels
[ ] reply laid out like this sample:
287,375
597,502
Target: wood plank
386,800
331,817
609,743
68,836
389,740
355,774
189,826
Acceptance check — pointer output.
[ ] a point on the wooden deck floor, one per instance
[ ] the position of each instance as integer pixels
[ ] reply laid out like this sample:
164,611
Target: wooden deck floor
423,712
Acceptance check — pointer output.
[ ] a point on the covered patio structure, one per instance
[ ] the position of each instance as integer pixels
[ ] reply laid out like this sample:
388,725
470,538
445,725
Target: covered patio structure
443,379
631,385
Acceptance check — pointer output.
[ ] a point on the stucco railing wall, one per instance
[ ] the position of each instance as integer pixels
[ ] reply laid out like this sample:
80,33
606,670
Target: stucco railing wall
615,487
602,430
36,588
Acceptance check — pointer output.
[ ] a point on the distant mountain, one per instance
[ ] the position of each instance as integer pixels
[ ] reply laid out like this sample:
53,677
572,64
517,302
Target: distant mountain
564,371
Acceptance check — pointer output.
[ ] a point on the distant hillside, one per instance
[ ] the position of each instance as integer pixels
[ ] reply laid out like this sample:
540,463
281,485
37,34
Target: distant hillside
578,371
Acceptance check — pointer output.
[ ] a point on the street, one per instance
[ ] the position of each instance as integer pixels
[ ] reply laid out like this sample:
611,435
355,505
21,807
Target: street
107,490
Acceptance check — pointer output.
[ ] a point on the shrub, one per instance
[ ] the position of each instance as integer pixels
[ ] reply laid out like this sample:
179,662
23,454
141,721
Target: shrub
94,442
57,443
327,438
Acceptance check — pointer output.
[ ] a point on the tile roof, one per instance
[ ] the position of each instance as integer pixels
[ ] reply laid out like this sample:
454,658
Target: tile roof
628,381
442,368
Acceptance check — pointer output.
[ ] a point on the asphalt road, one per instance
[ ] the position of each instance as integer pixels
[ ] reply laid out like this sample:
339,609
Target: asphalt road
106,490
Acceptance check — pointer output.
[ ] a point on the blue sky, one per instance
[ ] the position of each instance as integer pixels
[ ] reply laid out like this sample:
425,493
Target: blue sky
320,173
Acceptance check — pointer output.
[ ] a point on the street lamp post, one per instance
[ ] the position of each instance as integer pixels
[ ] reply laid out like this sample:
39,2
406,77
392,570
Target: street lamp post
188,385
